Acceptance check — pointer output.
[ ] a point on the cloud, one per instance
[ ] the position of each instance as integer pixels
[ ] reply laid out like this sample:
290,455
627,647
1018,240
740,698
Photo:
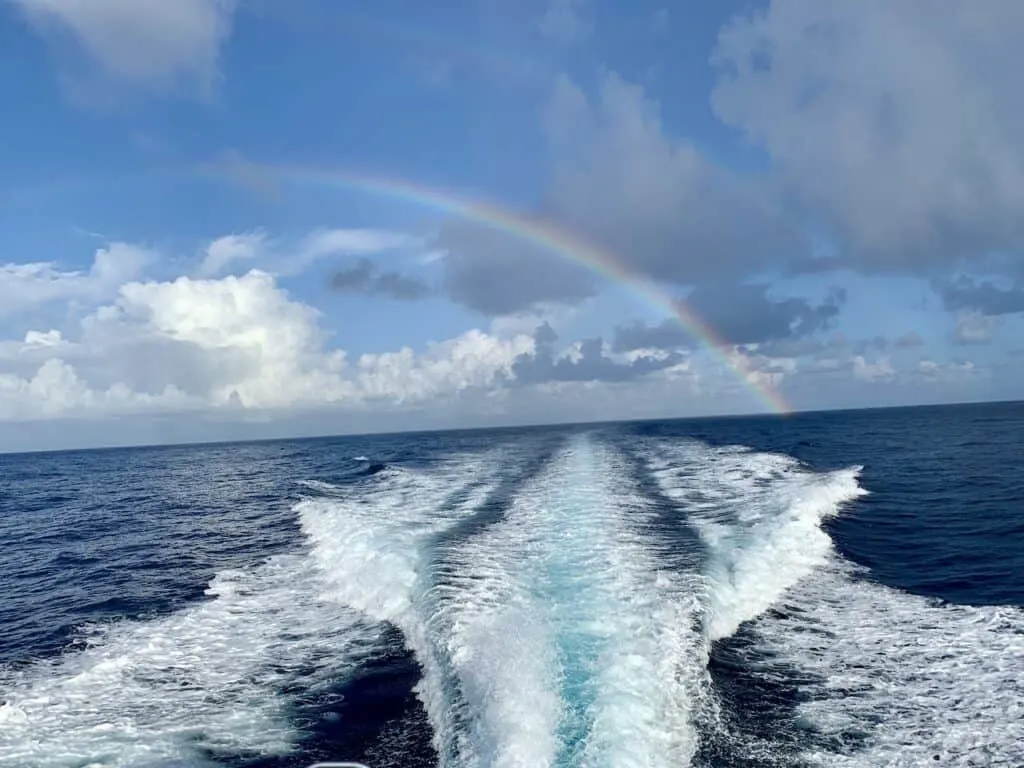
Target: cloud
350,242
231,344
497,274
894,126
825,350
56,389
587,361
565,21
363,278
224,251
982,296
653,203
473,360
863,346
958,371
879,371
739,314
653,200
256,250
909,340
668,334
147,43
804,347
277,341
24,286
973,328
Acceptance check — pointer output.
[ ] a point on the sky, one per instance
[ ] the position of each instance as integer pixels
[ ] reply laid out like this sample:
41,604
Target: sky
230,219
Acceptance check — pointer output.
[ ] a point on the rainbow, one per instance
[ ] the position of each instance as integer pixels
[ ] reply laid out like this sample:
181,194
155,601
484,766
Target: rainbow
555,240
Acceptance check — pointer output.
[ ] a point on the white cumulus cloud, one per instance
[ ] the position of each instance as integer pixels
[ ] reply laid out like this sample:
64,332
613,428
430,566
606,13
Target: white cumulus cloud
237,342
229,249
23,286
474,359
880,370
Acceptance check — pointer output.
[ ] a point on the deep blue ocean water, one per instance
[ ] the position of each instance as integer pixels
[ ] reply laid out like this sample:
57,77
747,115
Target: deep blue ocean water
838,589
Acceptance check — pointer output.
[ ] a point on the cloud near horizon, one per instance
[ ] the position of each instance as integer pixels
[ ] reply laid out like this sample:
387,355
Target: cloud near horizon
739,314
234,347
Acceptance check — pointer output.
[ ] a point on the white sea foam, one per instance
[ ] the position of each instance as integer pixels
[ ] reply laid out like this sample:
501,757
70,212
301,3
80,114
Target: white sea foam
605,669
902,681
554,636
924,683
550,638
760,517
161,692
373,544
500,649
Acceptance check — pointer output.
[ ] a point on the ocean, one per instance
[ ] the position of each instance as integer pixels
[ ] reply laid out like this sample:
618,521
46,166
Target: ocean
823,589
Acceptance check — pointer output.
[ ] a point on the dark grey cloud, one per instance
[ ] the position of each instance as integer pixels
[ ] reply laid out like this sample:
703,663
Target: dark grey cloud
837,342
591,365
740,314
363,278
668,334
981,296
805,347
498,274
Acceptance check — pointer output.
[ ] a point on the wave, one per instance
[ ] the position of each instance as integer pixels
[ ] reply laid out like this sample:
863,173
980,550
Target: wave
172,690
900,680
548,637
886,678
597,629
552,623
373,545
760,517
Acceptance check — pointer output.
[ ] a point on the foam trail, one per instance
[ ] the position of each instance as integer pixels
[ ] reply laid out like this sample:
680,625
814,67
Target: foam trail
760,517
903,681
164,692
373,544
604,668
501,653
888,678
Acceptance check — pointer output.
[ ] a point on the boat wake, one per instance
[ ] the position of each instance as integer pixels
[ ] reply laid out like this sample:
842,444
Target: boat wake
554,624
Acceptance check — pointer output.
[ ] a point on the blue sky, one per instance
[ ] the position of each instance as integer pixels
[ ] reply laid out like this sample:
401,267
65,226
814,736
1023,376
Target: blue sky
836,189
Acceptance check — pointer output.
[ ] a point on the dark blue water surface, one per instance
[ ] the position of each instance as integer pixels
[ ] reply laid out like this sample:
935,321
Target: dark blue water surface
821,589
